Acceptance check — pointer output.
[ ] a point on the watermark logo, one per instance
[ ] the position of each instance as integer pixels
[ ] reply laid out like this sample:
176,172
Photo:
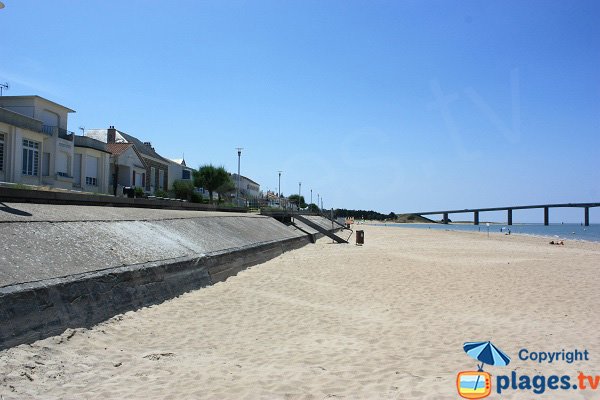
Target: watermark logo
478,384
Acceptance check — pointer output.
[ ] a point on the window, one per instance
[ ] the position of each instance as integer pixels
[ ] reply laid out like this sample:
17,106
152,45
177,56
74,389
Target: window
31,157
152,176
185,174
1,151
161,178
91,181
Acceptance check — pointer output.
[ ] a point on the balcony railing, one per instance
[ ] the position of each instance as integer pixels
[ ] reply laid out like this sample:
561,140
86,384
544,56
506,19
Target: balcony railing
60,132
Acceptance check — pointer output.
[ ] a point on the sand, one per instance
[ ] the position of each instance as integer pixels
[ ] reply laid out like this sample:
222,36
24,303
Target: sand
386,320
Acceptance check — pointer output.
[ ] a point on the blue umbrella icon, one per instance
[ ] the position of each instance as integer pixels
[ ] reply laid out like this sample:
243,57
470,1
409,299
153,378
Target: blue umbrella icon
487,353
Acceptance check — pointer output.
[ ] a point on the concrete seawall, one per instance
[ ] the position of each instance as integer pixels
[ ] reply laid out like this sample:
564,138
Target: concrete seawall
68,266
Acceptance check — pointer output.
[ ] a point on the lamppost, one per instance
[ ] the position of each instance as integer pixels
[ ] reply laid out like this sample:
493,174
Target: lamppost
237,191
299,192
318,200
279,188
310,196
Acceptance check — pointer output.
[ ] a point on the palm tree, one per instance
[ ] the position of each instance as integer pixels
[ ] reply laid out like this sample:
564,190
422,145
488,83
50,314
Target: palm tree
211,178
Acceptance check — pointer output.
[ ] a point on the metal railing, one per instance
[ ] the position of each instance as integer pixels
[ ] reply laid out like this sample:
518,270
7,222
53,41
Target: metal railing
60,132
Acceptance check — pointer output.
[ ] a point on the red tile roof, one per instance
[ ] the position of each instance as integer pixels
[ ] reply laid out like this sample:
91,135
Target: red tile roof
118,148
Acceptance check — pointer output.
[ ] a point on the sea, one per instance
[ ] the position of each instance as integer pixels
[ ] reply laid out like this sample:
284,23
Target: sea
556,231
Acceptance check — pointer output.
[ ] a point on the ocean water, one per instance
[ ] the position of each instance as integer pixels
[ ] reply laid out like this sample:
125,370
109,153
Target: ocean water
556,231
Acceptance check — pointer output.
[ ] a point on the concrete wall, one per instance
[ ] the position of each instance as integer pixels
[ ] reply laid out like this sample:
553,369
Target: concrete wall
64,270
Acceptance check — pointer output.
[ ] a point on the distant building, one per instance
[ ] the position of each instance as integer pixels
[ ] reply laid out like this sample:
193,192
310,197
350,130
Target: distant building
178,170
157,167
248,188
127,167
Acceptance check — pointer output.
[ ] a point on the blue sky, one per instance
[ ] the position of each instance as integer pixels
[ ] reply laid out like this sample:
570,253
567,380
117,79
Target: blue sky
386,105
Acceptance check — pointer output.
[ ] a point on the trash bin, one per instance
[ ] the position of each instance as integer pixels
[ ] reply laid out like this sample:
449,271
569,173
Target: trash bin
360,238
129,192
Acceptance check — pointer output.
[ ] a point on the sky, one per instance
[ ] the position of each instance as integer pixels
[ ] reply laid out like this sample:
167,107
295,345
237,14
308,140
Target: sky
399,106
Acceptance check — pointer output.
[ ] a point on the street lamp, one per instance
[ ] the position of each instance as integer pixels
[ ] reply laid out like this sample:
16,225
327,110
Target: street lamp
310,196
279,189
237,191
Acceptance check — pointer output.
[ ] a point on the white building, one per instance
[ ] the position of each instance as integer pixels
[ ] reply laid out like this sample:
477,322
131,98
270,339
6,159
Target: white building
37,149
91,165
178,170
248,188
127,167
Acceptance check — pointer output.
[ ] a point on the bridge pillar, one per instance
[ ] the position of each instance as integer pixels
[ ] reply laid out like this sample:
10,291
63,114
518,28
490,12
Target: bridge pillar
586,216
546,219
510,216
445,219
475,217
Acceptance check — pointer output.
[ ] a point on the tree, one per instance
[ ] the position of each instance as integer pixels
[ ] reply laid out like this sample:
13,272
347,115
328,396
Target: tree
211,178
298,200
227,187
313,208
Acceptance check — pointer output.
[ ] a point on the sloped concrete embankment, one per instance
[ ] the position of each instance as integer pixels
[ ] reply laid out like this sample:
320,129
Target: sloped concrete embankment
66,274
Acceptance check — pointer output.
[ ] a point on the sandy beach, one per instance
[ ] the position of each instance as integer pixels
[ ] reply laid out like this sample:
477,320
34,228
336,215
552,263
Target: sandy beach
386,320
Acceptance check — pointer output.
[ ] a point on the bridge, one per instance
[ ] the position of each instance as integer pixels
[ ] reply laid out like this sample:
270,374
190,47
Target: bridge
586,211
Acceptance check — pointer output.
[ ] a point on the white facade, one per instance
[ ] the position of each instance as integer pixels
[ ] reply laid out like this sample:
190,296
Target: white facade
21,153
179,171
91,165
44,146
248,188
127,169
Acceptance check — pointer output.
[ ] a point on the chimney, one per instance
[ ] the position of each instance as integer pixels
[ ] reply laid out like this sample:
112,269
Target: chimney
149,144
111,135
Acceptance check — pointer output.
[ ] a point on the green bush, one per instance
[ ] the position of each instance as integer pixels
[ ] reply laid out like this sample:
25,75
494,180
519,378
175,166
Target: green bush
161,193
139,192
183,189
197,198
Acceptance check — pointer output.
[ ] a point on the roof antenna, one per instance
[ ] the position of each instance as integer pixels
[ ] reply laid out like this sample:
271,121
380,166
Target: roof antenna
4,86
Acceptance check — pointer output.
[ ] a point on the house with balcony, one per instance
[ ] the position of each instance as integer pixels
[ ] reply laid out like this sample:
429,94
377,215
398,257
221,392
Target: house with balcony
35,146
157,167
